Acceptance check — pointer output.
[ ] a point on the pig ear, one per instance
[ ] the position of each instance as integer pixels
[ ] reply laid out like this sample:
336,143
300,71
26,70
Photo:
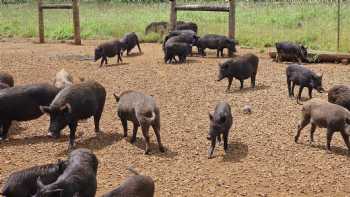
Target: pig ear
211,118
66,106
117,98
45,109
39,183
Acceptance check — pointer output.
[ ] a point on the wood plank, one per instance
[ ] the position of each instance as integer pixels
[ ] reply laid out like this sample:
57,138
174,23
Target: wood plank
214,8
57,6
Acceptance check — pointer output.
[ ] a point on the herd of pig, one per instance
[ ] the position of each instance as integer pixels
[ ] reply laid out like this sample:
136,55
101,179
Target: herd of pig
67,103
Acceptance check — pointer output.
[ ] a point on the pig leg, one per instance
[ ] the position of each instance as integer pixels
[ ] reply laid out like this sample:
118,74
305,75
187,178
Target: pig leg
127,52
219,138
299,94
145,132
293,86
97,118
211,148
156,128
222,52
241,81
104,59
329,138
310,92
217,53
301,126
346,140
312,131
6,124
134,133
252,78
226,142
230,79
119,58
125,126
289,83
73,128
138,46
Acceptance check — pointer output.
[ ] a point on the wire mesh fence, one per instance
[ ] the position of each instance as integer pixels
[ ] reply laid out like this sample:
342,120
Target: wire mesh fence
259,23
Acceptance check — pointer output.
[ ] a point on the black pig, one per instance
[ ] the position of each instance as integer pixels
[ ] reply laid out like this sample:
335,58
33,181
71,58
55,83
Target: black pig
217,42
143,111
172,49
220,124
240,68
304,77
22,103
6,80
134,186
74,103
23,183
109,49
291,52
187,26
79,177
340,95
188,38
130,40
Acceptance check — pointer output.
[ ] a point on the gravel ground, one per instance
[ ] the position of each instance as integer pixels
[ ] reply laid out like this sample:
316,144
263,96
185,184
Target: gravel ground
262,160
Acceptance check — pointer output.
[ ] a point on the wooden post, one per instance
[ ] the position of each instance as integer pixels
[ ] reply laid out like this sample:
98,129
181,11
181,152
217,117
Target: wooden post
232,19
172,14
338,27
41,22
76,22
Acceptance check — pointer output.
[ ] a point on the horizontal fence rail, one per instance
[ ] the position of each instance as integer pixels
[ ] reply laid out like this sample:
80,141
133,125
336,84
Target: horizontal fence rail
213,8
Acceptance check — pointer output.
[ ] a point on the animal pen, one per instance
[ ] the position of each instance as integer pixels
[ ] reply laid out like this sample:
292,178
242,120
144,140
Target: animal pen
76,22
230,8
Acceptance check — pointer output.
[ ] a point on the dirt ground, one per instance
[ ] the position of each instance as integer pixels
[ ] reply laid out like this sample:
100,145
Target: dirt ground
262,160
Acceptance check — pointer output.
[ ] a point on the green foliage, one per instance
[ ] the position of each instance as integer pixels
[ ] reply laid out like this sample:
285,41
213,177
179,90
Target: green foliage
258,24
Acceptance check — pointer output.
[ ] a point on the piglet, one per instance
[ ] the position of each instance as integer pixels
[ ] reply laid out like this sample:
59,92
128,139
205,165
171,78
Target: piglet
220,124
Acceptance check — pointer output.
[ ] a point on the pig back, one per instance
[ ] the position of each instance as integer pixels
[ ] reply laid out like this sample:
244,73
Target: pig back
223,109
340,94
85,99
22,102
244,67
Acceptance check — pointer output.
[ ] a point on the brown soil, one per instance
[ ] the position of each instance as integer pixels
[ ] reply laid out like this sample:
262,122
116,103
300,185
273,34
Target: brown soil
262,160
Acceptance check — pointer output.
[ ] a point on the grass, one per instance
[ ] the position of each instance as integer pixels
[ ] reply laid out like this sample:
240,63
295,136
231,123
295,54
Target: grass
258,24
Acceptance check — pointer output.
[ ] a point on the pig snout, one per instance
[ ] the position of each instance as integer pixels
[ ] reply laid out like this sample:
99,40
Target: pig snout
209,137
220,77
53,135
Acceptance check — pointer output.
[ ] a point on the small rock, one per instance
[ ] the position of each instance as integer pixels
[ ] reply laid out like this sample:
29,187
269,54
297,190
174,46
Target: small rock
247,109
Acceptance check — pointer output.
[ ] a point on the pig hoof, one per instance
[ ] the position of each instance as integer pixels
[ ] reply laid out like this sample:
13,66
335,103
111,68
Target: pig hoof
161,149
147,152
296,139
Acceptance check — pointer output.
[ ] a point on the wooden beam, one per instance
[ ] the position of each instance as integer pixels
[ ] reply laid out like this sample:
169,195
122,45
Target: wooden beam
214,8
76,22
57,6
41,22
232,19
173,15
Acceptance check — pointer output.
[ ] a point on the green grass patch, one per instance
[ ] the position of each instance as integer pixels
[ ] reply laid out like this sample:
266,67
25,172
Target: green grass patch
258,24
